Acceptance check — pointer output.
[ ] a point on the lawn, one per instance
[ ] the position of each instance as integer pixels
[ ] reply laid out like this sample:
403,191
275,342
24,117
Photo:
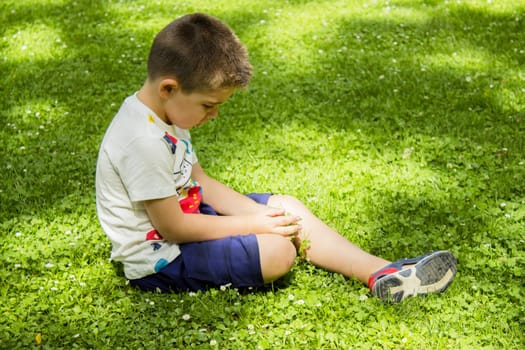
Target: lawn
401,123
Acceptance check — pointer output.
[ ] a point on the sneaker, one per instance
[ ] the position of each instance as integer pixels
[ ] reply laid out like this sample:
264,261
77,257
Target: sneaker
430,273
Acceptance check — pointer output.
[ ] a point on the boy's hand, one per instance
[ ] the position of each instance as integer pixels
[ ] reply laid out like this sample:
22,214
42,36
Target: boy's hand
276,221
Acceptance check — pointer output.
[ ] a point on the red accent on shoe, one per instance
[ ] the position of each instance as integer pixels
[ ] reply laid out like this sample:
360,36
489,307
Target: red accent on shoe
376,275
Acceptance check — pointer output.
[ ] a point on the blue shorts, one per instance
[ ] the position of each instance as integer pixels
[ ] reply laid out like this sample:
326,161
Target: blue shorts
231,261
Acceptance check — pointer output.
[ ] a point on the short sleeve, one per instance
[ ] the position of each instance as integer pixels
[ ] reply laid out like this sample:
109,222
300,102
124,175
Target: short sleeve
145,167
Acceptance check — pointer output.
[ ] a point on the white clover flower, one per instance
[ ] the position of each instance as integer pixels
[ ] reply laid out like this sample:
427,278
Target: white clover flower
18,234
192,294
291,297
186,317
363,297
300,302
226,286
49,265
213,342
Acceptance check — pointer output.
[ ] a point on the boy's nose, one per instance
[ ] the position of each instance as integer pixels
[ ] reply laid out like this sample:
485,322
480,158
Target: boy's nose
213,113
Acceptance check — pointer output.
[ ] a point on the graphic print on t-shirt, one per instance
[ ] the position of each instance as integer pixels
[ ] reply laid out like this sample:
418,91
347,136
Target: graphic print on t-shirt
172,142
188,190
192,200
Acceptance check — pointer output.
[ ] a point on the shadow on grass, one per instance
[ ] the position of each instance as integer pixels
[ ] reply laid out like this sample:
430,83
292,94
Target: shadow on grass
51,169
80,101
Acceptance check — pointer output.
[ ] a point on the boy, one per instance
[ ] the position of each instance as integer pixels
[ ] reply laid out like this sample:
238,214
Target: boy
160,209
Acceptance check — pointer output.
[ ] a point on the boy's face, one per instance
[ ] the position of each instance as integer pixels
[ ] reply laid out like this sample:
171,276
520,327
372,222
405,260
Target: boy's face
189,110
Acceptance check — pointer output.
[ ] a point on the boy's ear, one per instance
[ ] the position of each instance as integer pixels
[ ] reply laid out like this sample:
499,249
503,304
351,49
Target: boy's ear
168,86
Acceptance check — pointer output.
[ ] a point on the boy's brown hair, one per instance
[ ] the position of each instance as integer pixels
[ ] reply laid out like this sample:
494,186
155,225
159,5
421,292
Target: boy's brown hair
201,53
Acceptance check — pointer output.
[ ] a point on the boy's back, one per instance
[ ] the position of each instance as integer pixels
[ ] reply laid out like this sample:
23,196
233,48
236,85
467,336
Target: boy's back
136,163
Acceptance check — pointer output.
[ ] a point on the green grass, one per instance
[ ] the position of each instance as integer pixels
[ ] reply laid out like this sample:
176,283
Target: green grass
401,123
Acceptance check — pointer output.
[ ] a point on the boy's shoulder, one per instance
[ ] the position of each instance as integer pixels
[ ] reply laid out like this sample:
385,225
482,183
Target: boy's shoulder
135,125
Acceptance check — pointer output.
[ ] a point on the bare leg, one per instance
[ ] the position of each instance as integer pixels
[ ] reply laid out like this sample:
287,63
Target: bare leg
328,249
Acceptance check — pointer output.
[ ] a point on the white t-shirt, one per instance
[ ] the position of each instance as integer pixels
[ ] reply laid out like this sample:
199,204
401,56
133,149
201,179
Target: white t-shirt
142,158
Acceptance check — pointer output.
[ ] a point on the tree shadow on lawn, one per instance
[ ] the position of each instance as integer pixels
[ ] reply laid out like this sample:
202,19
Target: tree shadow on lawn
64,157
385,118
336,93
365,105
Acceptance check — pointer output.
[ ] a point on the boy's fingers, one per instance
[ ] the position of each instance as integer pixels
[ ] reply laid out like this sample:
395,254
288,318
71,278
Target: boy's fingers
290,220
291,230
277,212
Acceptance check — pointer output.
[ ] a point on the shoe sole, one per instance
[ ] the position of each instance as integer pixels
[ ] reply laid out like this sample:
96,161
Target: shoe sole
432,274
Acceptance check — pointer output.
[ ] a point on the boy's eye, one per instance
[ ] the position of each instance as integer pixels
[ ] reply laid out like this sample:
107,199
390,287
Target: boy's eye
207,106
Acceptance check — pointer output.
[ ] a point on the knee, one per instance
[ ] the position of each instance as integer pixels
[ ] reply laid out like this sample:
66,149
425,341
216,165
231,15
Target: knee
284,201
277,256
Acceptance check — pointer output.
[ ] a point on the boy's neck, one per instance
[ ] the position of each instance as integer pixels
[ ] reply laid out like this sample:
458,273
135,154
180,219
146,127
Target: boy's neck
147,95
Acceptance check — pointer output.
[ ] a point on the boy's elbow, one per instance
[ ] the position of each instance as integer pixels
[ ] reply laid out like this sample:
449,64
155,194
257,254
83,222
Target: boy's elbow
177,231
168,219
173,235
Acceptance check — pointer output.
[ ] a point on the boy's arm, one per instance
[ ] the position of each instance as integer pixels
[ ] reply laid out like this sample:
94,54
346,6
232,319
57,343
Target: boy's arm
223,199
173,224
